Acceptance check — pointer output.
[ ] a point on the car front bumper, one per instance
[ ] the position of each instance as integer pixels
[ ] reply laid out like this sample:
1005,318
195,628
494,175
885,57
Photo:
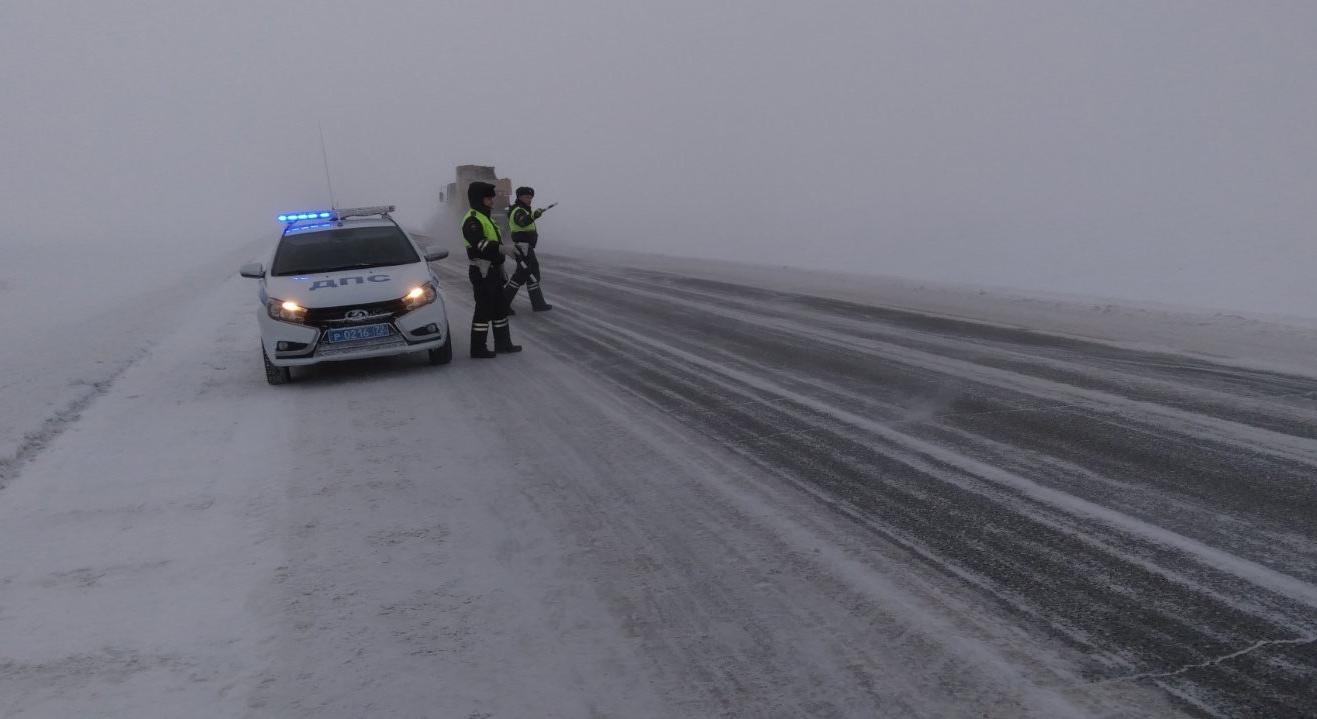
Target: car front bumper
289,344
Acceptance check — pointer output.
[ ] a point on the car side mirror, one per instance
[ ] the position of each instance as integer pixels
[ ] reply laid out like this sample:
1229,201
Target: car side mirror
435,255
255,270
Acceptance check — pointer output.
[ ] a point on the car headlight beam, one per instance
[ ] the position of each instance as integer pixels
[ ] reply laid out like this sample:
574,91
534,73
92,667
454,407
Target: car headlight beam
420,296
285,310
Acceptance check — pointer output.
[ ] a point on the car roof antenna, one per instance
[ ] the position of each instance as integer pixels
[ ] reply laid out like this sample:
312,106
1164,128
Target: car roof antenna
324,154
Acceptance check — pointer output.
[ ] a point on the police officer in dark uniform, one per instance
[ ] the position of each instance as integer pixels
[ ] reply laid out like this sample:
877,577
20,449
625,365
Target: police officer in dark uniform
485,250
521,225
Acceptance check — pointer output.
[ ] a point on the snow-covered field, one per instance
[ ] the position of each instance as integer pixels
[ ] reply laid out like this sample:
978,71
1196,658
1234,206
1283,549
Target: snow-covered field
537,536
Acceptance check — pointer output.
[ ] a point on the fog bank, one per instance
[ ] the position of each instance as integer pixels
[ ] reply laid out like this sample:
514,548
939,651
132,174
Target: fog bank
1155,151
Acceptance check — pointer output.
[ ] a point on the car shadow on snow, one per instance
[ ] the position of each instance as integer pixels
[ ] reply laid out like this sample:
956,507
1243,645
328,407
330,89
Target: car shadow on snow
364,370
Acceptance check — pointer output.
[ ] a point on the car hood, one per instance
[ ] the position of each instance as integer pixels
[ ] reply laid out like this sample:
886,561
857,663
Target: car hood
349,287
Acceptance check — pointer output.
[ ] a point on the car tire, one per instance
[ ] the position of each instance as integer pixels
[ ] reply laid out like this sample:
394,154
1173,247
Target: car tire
273,374
443,354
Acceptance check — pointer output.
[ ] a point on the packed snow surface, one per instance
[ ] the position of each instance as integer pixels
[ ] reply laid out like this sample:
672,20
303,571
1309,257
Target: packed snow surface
703,489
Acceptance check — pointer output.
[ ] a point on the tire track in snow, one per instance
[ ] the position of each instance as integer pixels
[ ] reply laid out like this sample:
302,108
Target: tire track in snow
742,605
1186,464
33,443
1244,436
680,383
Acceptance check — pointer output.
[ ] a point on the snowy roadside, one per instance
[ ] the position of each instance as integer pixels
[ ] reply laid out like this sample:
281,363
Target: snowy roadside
1279,343
200,544
136,531
390,538
74,323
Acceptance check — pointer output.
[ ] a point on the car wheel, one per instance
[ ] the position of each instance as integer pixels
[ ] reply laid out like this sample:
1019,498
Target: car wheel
443,354
273,374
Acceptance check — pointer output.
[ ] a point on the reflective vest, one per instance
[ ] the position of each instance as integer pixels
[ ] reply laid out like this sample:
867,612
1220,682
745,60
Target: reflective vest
512,222
486,224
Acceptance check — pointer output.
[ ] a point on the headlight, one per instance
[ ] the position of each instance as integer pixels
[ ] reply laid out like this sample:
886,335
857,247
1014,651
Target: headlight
285,311
419,296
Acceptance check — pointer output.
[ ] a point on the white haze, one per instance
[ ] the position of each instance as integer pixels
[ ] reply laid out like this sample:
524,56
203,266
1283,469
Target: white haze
1151,150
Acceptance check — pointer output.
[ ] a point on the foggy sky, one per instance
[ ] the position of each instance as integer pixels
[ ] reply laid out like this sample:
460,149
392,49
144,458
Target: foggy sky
1152,150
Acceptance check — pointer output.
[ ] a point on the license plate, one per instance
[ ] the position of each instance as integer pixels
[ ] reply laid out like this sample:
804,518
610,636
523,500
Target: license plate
349,334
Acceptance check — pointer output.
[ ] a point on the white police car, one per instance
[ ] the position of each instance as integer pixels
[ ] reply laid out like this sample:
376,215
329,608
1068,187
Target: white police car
347,284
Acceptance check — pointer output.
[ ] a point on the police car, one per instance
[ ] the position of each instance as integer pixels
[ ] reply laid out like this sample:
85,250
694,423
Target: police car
347,284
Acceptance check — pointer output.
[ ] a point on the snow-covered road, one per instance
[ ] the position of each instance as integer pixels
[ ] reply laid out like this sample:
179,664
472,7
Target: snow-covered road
685,498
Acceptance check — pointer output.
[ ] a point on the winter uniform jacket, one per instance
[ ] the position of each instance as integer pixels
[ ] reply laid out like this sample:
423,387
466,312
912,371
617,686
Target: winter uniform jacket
523,215
473,231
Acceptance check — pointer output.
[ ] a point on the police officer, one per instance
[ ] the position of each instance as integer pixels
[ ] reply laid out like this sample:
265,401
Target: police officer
486,250
521,225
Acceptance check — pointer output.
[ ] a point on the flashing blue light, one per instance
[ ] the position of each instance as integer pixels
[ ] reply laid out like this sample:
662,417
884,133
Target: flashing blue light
312,215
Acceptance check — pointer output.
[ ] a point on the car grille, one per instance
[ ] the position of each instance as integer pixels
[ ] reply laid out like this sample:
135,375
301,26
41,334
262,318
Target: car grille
324,317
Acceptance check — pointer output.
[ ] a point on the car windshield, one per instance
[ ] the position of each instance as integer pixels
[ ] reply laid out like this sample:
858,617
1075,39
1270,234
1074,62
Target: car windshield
342,248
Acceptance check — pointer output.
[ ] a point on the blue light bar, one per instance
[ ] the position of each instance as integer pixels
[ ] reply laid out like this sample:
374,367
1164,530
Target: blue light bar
308,215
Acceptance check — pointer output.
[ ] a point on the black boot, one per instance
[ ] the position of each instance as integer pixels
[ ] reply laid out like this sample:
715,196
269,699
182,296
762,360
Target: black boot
509,293
503,337
479,348
537,302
